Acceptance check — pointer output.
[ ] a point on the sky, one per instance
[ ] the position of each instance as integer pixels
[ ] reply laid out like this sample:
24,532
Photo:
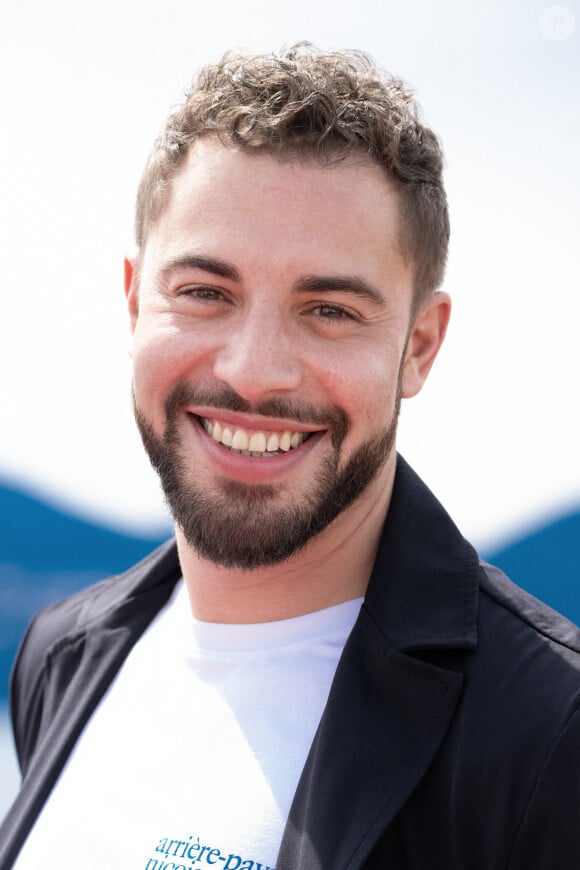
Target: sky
85,89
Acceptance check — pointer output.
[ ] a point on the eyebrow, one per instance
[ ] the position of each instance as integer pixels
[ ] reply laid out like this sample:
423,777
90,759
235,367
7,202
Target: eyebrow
205,264
309,284
341,284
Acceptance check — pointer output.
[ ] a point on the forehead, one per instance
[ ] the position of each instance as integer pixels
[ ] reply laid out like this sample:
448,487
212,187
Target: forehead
242,205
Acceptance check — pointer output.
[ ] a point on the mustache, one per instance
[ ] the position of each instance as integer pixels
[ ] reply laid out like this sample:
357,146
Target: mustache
225,398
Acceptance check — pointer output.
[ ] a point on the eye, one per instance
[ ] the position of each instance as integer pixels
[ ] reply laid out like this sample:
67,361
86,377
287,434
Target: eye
201,294
208,294
332,312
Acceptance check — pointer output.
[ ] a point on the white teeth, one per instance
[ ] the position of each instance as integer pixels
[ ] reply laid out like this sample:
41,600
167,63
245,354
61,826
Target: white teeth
240,440
285,441
257,443
273,444
254,443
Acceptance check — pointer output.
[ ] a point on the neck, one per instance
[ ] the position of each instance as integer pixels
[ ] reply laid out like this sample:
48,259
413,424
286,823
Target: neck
333,567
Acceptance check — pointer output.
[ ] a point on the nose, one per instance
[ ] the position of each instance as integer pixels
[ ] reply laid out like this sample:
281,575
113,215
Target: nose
258,359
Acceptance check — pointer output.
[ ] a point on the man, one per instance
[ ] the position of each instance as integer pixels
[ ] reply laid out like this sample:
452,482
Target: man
317,673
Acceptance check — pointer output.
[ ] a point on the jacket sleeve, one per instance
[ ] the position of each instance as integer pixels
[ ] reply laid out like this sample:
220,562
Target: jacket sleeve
549,834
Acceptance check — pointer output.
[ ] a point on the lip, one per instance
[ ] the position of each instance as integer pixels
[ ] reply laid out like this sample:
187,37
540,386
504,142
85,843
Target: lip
252,469
253,422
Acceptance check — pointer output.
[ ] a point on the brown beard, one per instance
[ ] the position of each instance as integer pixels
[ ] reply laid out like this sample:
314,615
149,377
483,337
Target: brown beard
240,527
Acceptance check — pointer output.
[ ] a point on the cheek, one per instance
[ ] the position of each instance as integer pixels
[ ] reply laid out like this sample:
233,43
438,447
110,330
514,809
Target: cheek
163,355
366,389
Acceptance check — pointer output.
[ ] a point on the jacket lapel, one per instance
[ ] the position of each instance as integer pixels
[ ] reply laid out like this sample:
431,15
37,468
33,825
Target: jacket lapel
387,711
386,717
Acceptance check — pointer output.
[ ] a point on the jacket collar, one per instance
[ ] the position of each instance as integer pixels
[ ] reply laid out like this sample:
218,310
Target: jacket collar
388,712
423,590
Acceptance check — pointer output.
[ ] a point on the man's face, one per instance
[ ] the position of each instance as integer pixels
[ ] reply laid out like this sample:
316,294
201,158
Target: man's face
270,319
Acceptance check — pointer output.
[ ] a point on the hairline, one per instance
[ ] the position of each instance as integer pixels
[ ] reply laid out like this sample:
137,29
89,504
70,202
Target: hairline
284,155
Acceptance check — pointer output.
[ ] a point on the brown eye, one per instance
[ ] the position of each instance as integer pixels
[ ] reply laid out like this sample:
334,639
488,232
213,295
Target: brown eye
206,294
331,312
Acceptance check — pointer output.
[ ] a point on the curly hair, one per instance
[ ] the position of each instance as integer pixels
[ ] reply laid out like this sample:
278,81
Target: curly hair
303,103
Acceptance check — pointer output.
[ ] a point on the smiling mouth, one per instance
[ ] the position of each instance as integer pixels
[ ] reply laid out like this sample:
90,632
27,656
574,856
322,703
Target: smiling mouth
259,443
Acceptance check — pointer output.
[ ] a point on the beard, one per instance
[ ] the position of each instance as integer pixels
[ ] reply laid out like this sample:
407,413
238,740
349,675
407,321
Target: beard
239,525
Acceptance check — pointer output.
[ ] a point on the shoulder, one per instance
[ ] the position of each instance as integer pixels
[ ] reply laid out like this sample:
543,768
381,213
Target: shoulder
523,624
72,616
522,700
510,758
63,626
526,664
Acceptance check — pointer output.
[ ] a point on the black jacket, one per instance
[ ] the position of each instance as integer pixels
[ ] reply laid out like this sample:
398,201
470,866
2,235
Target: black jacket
451,736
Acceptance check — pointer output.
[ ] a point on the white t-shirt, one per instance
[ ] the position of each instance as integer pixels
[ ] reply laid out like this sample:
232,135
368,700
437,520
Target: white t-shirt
193,756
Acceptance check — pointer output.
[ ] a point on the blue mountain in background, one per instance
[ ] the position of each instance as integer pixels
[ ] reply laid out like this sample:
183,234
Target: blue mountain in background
47,553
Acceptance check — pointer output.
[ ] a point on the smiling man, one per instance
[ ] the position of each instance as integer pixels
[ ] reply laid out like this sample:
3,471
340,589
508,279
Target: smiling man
317,673
273,338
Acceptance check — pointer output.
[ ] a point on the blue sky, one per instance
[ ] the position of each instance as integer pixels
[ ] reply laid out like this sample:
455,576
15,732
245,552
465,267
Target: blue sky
86,87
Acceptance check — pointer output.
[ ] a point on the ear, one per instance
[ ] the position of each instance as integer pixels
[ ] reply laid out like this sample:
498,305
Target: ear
425,339
132,291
